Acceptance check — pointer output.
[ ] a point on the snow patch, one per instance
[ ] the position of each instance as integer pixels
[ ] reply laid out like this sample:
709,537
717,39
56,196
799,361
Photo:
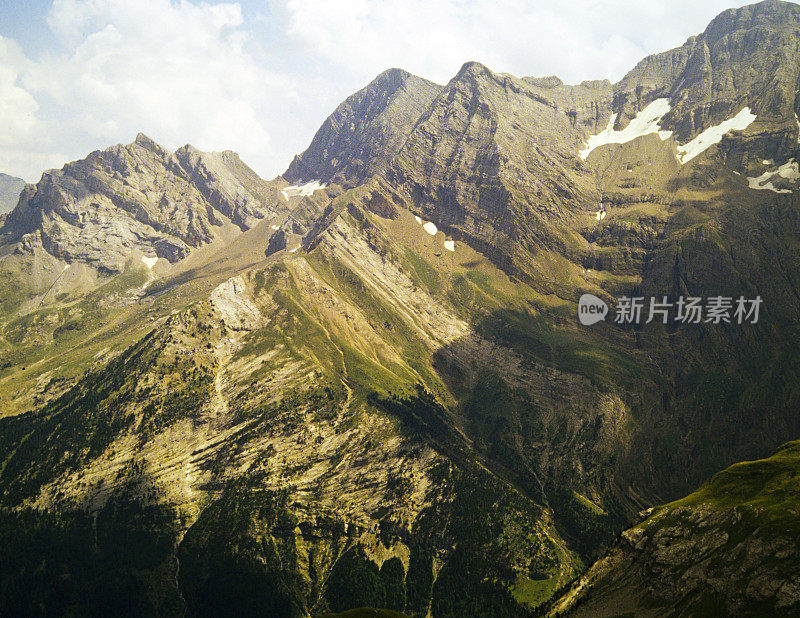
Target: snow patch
788,171
275,227
419,219
600,215
430,228
304,189
646,122
450,245
713,135
149,261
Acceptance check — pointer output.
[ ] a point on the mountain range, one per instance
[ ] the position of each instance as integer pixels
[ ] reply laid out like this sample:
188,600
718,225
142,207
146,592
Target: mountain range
365,384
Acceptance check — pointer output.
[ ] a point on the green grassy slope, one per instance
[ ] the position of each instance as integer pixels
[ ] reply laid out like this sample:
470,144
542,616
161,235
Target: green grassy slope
729,548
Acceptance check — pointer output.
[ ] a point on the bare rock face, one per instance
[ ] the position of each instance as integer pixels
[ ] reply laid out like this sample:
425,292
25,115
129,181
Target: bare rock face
745,57
233,307
139,197
493,162
365,131
229,185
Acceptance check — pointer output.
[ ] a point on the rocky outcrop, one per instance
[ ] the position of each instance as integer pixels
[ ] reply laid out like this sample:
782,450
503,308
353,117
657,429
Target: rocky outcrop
746,57
229,186
492,161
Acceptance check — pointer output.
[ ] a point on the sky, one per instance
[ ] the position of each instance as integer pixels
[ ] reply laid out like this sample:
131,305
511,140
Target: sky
260,76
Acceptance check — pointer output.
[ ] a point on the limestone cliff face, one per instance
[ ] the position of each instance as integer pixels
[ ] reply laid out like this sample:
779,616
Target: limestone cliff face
139,197
230,186
492,162
746,57
365,131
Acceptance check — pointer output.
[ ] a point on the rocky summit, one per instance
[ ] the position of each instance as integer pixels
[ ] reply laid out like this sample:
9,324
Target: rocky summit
138,197
363,387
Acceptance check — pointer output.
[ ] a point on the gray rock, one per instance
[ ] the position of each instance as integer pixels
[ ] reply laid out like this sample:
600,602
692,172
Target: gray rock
365,131
140,197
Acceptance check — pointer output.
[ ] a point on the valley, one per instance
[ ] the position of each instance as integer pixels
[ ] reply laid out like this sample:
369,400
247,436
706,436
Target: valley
364,384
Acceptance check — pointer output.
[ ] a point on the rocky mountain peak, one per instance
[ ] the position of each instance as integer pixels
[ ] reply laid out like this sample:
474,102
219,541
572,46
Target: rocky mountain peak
150,144
473,68
769,14
365,131
391,79
746,57
139,197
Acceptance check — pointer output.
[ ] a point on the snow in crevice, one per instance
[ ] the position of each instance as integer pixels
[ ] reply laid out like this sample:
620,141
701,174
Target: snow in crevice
149,261
450,245
766,182
713,135
304,189
645,123
797,120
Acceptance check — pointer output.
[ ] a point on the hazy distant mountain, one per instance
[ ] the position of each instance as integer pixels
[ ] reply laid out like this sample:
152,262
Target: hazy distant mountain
10,188
364,383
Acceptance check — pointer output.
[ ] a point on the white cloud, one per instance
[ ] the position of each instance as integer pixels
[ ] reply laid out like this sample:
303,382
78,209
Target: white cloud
15,102
176,71
260,76
588,39
17,106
